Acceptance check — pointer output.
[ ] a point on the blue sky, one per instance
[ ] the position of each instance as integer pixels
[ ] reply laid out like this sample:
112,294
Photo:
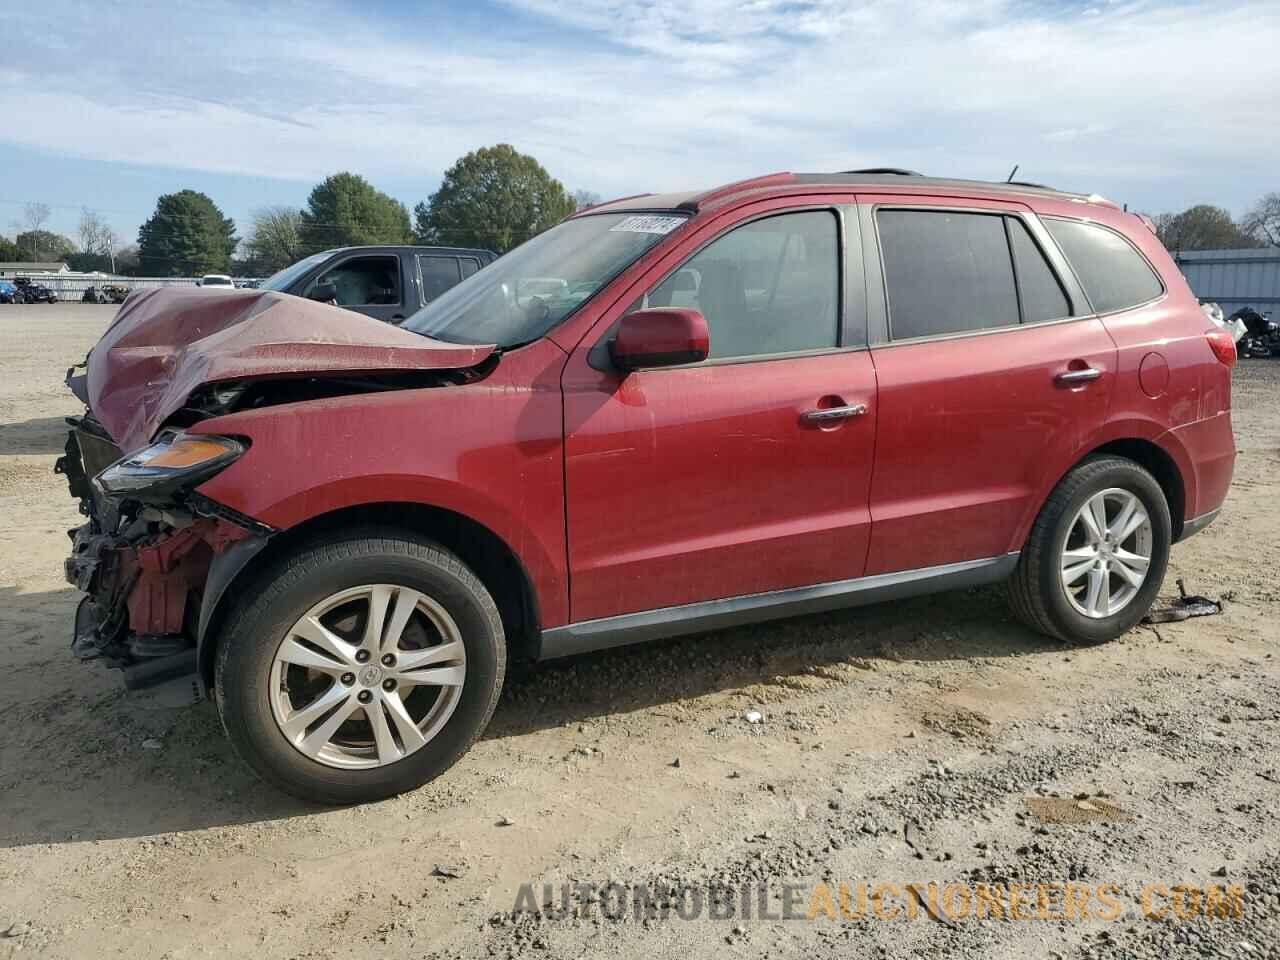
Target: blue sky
1157,103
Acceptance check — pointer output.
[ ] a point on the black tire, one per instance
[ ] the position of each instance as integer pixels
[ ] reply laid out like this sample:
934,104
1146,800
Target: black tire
248,641
1035,589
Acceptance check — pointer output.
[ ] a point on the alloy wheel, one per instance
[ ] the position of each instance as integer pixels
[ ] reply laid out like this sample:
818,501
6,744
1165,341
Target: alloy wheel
1107,553
368,676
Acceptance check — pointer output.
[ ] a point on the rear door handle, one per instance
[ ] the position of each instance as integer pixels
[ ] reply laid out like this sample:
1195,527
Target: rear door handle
1072,377
828,414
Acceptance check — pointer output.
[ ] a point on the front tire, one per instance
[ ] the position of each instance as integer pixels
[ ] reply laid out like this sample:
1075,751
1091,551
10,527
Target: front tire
367,665
1096,555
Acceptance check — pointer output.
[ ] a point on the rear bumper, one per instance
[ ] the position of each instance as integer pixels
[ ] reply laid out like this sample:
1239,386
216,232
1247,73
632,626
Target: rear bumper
1196,524
1209,447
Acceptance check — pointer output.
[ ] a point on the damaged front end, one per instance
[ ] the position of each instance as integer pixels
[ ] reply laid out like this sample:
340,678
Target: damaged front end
144,555
155,556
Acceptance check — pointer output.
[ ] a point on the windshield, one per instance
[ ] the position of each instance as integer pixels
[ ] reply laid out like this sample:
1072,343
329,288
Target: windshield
522,295
217,282
283,280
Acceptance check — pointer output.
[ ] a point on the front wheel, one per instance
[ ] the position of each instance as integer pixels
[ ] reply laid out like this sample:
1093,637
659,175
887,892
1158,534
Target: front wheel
366,666
1096,555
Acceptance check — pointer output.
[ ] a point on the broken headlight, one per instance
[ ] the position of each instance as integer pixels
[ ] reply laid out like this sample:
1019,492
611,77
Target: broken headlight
174,461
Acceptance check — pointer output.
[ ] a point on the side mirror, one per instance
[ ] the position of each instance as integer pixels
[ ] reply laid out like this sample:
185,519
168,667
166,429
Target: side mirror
324,292
660,337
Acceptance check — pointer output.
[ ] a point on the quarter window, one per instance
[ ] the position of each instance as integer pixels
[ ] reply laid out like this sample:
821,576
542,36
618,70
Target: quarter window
769,287
946,272
470,265
1113,273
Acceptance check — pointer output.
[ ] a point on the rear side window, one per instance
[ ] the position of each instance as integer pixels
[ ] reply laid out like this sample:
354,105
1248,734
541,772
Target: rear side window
946,272
1042,295
1113,273
438,275
470,265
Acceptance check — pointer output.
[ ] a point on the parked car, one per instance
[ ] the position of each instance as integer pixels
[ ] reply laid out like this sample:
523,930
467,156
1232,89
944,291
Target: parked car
386,283
114,292
33,292
786,395
216,281
9,293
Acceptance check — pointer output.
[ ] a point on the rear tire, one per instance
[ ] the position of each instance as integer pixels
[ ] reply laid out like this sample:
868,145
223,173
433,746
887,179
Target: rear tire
264,695
1061,548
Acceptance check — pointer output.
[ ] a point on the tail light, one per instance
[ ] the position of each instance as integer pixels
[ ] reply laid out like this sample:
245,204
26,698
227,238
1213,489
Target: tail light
1224,348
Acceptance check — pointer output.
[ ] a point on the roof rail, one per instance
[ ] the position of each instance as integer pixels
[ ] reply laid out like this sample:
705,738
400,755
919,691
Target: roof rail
738,186
895,171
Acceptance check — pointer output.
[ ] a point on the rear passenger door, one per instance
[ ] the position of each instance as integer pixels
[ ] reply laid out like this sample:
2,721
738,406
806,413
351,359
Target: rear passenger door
991,369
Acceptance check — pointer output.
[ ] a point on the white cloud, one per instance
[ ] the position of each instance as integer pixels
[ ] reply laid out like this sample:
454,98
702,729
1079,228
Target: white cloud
623,95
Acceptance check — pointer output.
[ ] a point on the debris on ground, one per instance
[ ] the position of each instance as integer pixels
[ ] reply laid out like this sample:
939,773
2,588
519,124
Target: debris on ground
1074,810
753,716
449,871
1184,607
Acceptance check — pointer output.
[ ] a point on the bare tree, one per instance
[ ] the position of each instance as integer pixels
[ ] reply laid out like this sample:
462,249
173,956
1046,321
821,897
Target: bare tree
1202,227
1263,220
585,198
35,216
31,227
276,241
96,235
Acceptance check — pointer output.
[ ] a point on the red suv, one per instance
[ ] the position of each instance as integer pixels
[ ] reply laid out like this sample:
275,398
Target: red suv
670,413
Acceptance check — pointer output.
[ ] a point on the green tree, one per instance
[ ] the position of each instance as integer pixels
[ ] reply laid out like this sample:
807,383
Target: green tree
1202,227
186,236
346,210
9,252
43,246
494,197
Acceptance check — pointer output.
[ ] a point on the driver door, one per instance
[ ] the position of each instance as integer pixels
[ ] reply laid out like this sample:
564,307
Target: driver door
708,481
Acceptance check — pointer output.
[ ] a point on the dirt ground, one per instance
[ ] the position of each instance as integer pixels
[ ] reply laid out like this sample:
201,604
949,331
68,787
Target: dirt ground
917,742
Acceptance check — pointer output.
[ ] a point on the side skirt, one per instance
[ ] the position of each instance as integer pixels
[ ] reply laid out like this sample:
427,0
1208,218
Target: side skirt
629,628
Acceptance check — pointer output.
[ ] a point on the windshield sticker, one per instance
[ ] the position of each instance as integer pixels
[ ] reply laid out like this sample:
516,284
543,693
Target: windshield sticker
648,224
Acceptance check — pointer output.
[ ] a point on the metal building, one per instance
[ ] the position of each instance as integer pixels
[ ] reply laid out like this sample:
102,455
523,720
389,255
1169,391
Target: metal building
1235,278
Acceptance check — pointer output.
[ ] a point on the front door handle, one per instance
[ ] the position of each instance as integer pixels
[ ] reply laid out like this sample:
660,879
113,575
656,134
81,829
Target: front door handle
1070,378
828,414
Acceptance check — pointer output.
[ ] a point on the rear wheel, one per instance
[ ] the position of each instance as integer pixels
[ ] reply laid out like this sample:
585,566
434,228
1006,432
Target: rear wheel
1096,555
366,666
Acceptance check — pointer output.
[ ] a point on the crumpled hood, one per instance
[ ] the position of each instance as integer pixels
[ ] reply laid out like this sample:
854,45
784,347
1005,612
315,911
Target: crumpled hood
165,343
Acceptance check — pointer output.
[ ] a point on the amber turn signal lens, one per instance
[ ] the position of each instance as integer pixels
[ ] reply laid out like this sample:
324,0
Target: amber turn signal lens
187,452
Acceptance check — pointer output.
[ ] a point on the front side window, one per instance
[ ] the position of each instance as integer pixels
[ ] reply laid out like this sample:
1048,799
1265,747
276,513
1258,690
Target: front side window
363,281
438,275
946,272
527,292
769,287
1112,272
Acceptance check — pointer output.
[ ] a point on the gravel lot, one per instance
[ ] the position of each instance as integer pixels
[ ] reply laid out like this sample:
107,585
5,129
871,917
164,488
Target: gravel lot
910,743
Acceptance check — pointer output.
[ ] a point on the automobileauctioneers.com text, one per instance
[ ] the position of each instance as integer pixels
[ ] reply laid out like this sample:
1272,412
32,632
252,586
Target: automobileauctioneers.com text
949,903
